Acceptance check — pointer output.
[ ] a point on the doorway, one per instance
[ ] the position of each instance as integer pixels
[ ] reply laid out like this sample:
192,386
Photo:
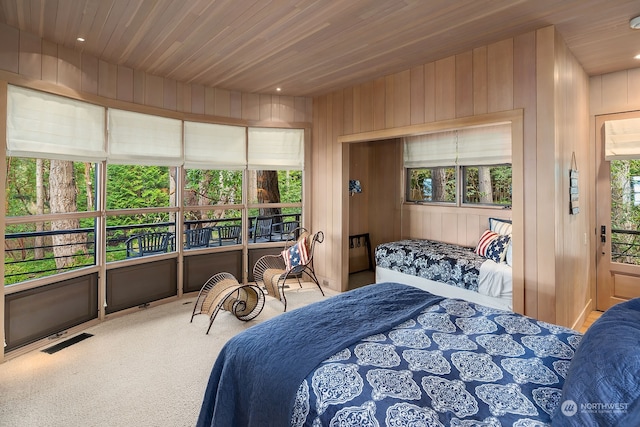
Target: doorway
618,219
374,204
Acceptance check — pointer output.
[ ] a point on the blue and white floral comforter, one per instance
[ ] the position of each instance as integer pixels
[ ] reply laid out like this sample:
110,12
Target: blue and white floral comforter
439,261
454,364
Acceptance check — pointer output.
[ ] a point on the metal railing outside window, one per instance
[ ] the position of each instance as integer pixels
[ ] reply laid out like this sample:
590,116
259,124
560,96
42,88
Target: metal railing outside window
22,264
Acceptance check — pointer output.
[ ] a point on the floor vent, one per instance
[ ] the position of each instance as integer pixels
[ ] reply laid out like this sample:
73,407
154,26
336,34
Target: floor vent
67,343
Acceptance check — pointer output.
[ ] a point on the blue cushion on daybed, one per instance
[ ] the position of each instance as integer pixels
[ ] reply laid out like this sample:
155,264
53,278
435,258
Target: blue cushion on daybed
602,387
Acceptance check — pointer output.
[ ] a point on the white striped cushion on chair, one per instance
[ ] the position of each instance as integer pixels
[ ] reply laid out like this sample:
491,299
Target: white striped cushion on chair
485,240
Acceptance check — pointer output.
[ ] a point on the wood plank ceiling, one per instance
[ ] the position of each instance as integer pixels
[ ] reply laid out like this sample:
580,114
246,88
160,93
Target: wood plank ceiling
311,47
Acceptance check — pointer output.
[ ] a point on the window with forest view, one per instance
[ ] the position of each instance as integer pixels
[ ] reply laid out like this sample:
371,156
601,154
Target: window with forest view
482,185
138,187
625,211
487,185
436,184
70,161
267,188
45,188
472,163
212,187
212,200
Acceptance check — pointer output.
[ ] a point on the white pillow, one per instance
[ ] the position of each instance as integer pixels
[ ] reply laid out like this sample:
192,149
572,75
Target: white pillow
509,254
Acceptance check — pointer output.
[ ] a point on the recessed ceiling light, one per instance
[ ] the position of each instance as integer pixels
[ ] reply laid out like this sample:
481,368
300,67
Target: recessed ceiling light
80,39
635,23
278,89
637,56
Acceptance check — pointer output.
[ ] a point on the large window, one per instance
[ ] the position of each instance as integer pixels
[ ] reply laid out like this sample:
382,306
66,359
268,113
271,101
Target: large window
47,231
275,170
469,166
71,161
54,146
143,191
144,155
213,208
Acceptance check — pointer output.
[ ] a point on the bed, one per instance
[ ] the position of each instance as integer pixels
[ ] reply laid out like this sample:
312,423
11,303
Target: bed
396,355
482,274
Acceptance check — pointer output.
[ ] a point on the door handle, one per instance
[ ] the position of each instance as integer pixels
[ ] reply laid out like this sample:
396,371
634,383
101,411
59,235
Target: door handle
603,233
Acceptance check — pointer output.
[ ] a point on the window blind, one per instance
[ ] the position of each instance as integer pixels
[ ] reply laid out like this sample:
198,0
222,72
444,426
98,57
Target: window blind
430,150
275,149
622,139
41,125
143,139
481,145
484,145
213,146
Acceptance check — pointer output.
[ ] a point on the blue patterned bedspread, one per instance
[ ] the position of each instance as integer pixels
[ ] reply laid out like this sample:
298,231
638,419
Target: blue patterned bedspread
439,261
453,364
255,377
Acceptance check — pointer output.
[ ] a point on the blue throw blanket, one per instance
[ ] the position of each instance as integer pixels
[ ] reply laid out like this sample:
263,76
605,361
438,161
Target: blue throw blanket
242,390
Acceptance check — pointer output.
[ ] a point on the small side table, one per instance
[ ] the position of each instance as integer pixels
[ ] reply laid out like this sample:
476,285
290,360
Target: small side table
355,242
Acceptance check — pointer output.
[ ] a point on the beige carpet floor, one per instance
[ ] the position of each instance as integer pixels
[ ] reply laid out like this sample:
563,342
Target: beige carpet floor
148,368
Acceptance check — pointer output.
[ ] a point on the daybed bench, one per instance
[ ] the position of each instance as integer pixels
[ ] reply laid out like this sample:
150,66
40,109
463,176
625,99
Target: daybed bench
482,274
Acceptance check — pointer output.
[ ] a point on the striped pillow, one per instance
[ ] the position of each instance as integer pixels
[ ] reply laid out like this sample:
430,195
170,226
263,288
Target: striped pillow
485,240
500,226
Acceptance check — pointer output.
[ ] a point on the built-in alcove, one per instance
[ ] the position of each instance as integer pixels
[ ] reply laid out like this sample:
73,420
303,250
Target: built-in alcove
375,159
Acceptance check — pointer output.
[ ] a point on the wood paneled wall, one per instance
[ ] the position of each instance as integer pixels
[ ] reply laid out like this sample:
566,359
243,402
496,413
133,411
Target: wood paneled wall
448,224
27,59
615,92
575,244
513,74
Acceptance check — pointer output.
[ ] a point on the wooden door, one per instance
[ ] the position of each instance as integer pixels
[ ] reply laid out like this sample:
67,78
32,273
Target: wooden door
618,222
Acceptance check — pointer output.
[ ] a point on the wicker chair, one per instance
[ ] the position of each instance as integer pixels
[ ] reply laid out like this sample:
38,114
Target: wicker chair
223,292
271,271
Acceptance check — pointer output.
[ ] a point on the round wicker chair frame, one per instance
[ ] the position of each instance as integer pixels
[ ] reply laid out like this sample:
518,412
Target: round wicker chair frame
223,292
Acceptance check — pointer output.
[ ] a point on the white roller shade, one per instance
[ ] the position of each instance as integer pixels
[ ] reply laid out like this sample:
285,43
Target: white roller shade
622,139
143,139
430,150
212,146
485,145
473,146
42,125
276,149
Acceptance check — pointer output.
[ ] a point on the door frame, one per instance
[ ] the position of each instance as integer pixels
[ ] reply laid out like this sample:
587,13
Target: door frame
606,270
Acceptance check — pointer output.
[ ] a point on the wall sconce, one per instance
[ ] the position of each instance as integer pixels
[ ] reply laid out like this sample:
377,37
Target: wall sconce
354,187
